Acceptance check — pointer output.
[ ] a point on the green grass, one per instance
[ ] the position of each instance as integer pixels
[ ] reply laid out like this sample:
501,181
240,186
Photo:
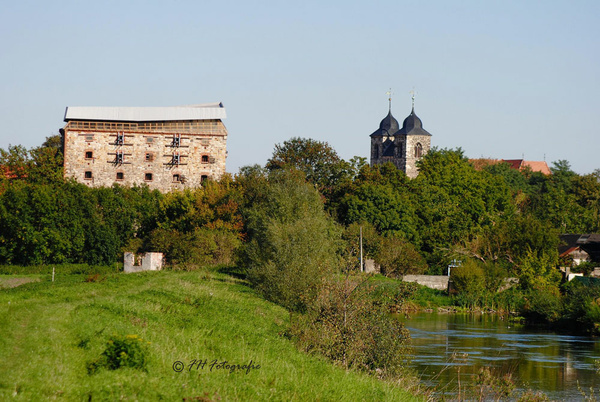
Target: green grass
49,332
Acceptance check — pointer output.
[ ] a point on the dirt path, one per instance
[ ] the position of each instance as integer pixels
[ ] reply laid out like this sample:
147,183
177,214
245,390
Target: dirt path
12,282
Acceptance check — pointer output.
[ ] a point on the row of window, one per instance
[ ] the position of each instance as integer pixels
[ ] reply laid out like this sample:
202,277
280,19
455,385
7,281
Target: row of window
160,126
418,150
177,178
174,142
148,157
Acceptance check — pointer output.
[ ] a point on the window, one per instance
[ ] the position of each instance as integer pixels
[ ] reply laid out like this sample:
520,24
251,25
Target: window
149,140
89,137
149,156
89,155
176,178
176,140
120,176
203,178
87,175
418,150
120,138
119,157
205,159
148,176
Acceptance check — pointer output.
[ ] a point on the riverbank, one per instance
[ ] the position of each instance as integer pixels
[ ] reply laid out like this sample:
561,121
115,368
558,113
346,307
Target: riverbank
51,332
495,357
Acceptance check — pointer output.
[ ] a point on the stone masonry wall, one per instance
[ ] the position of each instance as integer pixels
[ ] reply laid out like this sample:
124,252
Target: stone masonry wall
410,164
404,154
91,157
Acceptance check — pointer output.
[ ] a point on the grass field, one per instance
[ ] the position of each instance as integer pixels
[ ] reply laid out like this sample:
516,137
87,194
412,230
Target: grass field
49,332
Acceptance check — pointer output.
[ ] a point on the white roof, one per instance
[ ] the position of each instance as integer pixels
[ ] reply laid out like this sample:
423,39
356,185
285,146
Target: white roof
205,111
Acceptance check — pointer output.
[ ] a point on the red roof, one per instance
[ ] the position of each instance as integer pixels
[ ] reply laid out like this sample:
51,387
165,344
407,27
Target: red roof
535,166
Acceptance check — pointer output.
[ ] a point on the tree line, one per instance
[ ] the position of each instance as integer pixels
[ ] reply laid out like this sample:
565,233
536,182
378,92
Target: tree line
298,217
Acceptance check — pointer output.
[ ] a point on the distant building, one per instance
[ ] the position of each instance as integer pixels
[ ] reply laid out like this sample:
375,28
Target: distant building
164,147
517,164
401,146
535,166
580,247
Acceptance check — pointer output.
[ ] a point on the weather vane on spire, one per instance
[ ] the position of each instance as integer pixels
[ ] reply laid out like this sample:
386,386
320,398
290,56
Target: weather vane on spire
389,94
413,93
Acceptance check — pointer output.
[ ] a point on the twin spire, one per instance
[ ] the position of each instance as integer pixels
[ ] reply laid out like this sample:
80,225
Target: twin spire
412,94
389,126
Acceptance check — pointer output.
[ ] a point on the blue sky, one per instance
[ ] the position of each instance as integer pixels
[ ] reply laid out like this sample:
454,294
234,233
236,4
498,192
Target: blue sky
500,79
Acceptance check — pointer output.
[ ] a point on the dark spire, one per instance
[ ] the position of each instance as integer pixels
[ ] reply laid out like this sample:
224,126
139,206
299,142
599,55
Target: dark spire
412,125
388,127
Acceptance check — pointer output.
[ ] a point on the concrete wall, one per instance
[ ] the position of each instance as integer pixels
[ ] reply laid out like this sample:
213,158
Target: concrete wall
371,266
147,262
438,282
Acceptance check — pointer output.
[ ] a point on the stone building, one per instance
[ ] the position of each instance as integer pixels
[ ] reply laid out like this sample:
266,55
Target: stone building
401,146
165,147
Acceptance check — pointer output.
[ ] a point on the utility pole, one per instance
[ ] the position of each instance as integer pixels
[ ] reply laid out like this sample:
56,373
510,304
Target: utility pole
362,269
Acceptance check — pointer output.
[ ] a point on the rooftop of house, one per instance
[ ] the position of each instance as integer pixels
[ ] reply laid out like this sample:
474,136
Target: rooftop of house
205,111
535,166
517,164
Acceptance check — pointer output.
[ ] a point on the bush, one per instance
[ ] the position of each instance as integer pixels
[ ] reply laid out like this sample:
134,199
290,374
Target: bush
468,278
121,351
582,306
349,327
351,237
397,257
198,248
542,304
293,245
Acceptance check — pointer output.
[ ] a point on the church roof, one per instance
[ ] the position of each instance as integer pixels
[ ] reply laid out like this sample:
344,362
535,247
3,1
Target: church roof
412,125
388,126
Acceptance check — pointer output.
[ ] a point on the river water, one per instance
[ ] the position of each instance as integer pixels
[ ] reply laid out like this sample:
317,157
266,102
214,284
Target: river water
448,344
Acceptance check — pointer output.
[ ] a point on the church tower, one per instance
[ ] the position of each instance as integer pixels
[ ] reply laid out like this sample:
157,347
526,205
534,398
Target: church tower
401,146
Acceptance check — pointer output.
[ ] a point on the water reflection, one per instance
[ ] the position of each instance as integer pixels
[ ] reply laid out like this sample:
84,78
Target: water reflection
446,344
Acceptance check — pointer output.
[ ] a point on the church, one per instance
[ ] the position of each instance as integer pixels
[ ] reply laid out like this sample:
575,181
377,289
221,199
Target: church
401,146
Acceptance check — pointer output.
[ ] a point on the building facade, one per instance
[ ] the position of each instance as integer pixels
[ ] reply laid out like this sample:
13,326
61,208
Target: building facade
166,148
401,146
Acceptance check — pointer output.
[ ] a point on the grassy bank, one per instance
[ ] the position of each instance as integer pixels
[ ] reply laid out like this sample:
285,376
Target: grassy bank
49,332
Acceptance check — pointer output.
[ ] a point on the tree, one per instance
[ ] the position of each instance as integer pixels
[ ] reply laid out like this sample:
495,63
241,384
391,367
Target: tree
456,202
292,244
397,258
318,160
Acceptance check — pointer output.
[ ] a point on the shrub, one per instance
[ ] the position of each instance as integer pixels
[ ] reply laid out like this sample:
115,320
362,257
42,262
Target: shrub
468,278
542,304
582,305
537,269
201,247
293,245
397,257
349,327
121,351
351,237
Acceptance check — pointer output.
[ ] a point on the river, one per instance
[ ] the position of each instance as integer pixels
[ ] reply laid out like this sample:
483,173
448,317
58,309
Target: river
448,344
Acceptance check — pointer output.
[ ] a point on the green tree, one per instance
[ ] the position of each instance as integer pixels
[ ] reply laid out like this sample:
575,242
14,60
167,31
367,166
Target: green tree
397,257
292,244
456,202
317,159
